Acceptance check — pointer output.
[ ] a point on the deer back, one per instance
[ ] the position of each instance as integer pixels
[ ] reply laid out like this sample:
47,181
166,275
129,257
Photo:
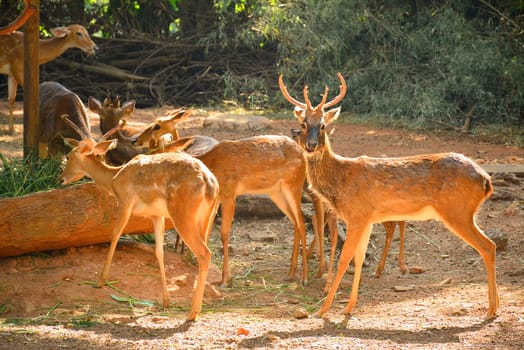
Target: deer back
252,165
55,101
157,178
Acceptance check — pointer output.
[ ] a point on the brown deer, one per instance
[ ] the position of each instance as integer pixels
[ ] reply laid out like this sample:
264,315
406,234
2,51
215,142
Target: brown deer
55,101
168,185
111,112
323,216
154,134
362,191
272,165
12,55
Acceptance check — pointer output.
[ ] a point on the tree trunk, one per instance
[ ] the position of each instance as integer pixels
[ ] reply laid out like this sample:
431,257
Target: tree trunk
69,217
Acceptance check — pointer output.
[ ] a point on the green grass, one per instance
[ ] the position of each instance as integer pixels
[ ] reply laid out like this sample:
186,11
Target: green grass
19,177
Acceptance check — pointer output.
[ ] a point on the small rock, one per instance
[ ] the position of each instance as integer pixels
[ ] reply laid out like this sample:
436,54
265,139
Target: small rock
499,238
264,236
300,314
416,270
181,280
403,288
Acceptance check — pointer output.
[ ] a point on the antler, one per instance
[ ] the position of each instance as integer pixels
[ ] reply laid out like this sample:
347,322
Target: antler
74,126
288,97
307,104
337,99
114,130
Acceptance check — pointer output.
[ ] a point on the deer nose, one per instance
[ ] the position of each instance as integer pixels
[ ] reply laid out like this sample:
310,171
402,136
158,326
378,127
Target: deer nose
311,145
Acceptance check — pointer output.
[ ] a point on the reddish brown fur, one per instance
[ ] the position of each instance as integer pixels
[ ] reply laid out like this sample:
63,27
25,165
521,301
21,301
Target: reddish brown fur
321,216
153,134
362,191
12,55
171,185
55,101
272,165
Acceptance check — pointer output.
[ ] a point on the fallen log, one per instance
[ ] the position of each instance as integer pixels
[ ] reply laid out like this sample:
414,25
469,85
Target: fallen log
82,215
68,217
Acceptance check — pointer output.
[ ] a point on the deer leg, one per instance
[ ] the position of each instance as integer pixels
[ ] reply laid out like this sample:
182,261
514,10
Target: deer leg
290,206
317,221
228,212
466,228
390,230
401,259
318,229
12,85
159,226
122,217
358,260
193,232
353,237
333,238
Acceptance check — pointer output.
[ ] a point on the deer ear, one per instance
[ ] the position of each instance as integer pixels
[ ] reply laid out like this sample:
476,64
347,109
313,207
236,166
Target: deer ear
300,113
129,107
70,142
104,146
178,115
94,105
86,146
331,115
295,133
59,32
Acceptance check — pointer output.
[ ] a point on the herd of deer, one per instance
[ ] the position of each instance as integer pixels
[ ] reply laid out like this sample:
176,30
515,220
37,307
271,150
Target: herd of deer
154,172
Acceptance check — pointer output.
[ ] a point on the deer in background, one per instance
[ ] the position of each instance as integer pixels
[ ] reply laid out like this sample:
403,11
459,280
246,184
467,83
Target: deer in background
448,187
111,112
168,185
12,55
270,164
154,135
55,101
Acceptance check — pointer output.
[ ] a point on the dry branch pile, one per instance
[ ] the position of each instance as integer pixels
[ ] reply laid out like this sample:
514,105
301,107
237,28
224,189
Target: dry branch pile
157,72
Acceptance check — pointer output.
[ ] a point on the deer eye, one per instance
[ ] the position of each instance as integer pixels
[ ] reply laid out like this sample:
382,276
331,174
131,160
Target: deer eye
156,127
79,34
322,127
303,126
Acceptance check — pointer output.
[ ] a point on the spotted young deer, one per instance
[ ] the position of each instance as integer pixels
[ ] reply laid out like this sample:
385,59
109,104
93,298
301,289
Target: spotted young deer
12,55
168,185
270,164
55,101
362,191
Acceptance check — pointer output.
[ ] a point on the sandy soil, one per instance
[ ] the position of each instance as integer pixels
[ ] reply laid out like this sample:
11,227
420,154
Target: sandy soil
47,300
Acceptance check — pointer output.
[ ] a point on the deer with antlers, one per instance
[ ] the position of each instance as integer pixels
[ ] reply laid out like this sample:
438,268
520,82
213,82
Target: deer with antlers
448,187
12,55
323,216
168,185
267,164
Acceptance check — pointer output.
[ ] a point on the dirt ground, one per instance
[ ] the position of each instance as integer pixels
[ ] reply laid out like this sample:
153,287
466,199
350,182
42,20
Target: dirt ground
47,299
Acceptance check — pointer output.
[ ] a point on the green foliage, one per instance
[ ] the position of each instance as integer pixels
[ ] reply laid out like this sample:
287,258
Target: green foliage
415,63
21,176
432,65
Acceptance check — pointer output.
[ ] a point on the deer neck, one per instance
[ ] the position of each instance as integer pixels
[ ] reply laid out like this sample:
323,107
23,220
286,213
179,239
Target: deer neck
321,170
49,49
100,172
